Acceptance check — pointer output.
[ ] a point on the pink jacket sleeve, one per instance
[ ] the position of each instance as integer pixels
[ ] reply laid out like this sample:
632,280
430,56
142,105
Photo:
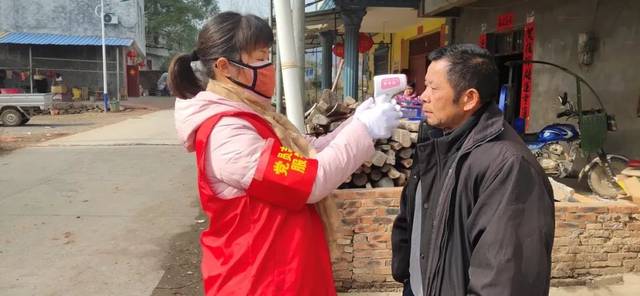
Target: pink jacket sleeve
235,146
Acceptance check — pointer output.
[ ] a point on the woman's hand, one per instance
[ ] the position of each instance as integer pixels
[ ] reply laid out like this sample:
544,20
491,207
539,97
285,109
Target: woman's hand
379,118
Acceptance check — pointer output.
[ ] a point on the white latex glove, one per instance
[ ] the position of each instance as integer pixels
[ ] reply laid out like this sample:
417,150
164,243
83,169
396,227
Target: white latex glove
381,119
366,105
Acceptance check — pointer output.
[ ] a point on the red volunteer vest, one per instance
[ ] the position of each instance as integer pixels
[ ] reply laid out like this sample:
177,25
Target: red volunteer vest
269,241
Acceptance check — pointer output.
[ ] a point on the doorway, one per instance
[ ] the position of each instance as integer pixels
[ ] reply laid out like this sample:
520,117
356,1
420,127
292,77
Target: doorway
419,50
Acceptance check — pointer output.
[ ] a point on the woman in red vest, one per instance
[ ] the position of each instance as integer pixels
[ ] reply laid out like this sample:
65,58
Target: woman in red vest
262,183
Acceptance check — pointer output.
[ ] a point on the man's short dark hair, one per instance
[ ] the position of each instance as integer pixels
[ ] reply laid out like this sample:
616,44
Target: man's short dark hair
470,67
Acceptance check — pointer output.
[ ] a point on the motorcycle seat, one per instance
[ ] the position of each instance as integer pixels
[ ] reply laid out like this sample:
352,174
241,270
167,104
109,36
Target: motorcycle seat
634,163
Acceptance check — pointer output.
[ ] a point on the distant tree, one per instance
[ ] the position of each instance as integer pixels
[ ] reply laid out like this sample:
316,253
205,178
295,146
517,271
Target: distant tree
174,24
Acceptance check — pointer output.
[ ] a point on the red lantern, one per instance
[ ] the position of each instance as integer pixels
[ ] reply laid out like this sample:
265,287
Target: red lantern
338,49
132,54
364,42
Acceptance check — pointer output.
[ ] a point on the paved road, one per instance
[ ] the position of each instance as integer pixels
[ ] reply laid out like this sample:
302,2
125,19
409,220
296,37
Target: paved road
93,213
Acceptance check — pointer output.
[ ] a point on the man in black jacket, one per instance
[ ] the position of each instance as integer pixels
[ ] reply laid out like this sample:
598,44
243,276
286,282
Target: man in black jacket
477,215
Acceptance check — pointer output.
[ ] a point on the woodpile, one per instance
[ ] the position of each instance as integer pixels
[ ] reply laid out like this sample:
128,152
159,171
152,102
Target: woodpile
391,164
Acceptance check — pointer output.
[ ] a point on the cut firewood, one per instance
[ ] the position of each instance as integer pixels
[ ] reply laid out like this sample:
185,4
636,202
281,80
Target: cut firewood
375,175
385,147
349,101
405,153
348,179
367,170
395,145
402,136
414,137
391,157
379,158
359,179
358,170
334,125
385,182
393,173
383,141
401,181
407,163
386,168
339,109
320,119
368,186
412,126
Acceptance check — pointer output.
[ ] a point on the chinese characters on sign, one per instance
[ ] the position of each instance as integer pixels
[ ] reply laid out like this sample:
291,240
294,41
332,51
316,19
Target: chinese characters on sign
289,160
527,71
505,22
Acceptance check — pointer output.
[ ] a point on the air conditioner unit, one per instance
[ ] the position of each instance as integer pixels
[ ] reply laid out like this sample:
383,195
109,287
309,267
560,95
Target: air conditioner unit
110,19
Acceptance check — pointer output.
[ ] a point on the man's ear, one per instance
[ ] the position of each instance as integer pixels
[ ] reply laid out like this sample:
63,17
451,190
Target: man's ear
470,100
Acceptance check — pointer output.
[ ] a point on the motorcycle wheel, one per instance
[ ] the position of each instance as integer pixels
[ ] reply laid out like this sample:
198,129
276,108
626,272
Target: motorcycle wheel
600,183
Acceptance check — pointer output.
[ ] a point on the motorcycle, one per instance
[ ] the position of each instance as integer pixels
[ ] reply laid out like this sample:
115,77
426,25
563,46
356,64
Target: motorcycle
557,149
560,147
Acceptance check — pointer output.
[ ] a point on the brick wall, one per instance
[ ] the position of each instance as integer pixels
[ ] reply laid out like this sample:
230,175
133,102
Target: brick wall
594,242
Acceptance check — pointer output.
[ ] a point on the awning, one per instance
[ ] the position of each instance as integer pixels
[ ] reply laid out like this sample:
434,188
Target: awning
57,39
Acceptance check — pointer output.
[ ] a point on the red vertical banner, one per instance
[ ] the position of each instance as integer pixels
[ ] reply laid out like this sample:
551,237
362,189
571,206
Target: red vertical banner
482,41
527,71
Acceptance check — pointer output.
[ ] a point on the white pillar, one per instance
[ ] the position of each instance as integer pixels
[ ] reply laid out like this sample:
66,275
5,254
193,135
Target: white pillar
297,7
291,68
105,95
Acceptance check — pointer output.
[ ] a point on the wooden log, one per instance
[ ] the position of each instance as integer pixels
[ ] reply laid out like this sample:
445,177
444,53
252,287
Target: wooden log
391,157
349,101
339,109
393,173
334,125
367,170
384,147
379,158
401,181
359,179
348,179
402,136
414,137
359,170
406,172
328,97
405,153
412,126
367,163
385,182
375,175
395,145
322,107
368,186
386,168
382,141
407,163
320,119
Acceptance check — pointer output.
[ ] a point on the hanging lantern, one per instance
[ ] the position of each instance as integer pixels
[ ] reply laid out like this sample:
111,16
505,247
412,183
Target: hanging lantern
338,49
365,42
132,54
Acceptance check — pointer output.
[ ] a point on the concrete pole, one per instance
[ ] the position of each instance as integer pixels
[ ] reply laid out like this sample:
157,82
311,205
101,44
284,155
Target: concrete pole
297,7
105,93
30,69
326,42
352,20
291,68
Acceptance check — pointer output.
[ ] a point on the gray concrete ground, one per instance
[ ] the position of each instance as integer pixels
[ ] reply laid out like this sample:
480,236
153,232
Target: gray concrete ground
80,216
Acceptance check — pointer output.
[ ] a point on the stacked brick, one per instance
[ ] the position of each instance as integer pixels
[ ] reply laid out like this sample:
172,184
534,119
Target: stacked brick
595,243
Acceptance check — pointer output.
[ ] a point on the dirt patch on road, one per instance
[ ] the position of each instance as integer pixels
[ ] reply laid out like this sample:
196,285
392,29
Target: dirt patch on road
46,127
182,264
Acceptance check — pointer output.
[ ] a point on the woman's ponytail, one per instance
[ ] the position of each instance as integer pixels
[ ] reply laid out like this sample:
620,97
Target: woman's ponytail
183,81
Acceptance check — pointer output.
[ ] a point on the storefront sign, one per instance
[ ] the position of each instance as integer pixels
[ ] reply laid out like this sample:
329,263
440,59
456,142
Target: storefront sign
527,71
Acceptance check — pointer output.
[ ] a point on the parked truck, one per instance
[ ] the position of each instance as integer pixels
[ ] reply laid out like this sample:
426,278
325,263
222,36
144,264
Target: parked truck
17,109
